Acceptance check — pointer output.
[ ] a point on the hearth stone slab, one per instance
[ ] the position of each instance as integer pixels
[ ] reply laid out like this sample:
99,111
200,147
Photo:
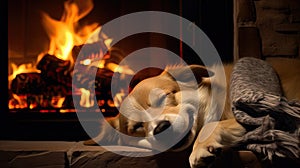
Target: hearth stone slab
61,154
43,154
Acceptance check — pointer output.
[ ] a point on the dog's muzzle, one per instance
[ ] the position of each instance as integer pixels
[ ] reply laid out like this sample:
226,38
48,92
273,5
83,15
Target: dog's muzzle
165,132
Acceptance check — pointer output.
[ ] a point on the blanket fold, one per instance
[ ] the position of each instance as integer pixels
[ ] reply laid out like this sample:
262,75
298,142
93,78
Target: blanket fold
272,122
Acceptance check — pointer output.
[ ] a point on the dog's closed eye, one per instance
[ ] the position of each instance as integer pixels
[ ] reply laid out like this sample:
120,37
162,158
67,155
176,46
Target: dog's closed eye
159,101
157,98
137,129
138,126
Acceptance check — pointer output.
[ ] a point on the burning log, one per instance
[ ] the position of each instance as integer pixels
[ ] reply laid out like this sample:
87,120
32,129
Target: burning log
55,71
90,51
53,84
33,84
56,90
84,78
28,83
55,77
51,62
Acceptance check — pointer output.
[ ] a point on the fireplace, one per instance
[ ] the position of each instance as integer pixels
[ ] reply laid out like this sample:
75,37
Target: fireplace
45,85
42,58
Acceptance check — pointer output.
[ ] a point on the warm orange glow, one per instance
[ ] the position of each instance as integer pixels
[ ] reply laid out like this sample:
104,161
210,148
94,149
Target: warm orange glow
67,110
32,106
86,100
24,68
107,42
57,101
121,69
17,102
94,60
86,62
97,35
65,33
119,98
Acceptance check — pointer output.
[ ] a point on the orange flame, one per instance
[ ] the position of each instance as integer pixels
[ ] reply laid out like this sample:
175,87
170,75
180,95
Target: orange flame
17,102
23,68
57,101
65,33
86,100
119,98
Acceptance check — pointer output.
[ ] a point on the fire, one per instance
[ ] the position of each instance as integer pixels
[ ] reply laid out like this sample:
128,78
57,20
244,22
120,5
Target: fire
57,101
91,61
86,99
119,98
17,102
23,68
121,69
98,35
65,33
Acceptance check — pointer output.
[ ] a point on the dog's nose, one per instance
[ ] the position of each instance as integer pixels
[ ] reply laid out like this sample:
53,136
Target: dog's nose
162,125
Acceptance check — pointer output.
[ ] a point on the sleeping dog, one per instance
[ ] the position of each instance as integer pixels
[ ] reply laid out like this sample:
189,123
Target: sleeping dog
180,100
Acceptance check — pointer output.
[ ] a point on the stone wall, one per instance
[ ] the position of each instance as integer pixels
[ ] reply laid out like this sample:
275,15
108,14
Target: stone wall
266,28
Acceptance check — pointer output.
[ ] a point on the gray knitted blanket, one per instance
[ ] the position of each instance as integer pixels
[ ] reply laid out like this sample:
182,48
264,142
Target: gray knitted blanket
272,122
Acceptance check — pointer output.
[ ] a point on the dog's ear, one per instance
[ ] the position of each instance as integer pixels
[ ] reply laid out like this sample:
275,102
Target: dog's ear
144,74
189,73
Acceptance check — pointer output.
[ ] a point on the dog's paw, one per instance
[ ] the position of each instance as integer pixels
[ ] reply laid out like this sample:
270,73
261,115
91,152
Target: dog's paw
207,146
204,156
212,139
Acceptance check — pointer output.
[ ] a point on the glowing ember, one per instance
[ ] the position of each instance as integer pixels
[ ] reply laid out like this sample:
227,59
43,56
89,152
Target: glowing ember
86,99
57,101
86,62
17,102
119,98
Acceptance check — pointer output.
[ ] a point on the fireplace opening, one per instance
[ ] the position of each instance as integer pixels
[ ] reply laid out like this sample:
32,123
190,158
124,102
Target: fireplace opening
44,41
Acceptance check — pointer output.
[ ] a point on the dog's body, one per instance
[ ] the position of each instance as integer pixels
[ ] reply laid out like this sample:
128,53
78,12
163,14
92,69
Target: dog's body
190,106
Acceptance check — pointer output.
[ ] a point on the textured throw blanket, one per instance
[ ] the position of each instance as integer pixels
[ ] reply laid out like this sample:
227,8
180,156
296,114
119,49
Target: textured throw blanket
272,122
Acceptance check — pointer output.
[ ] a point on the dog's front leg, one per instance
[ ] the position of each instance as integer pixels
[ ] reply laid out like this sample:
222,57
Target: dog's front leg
212,138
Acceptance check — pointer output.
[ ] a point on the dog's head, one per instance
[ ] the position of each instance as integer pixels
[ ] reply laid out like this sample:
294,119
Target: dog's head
167,108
